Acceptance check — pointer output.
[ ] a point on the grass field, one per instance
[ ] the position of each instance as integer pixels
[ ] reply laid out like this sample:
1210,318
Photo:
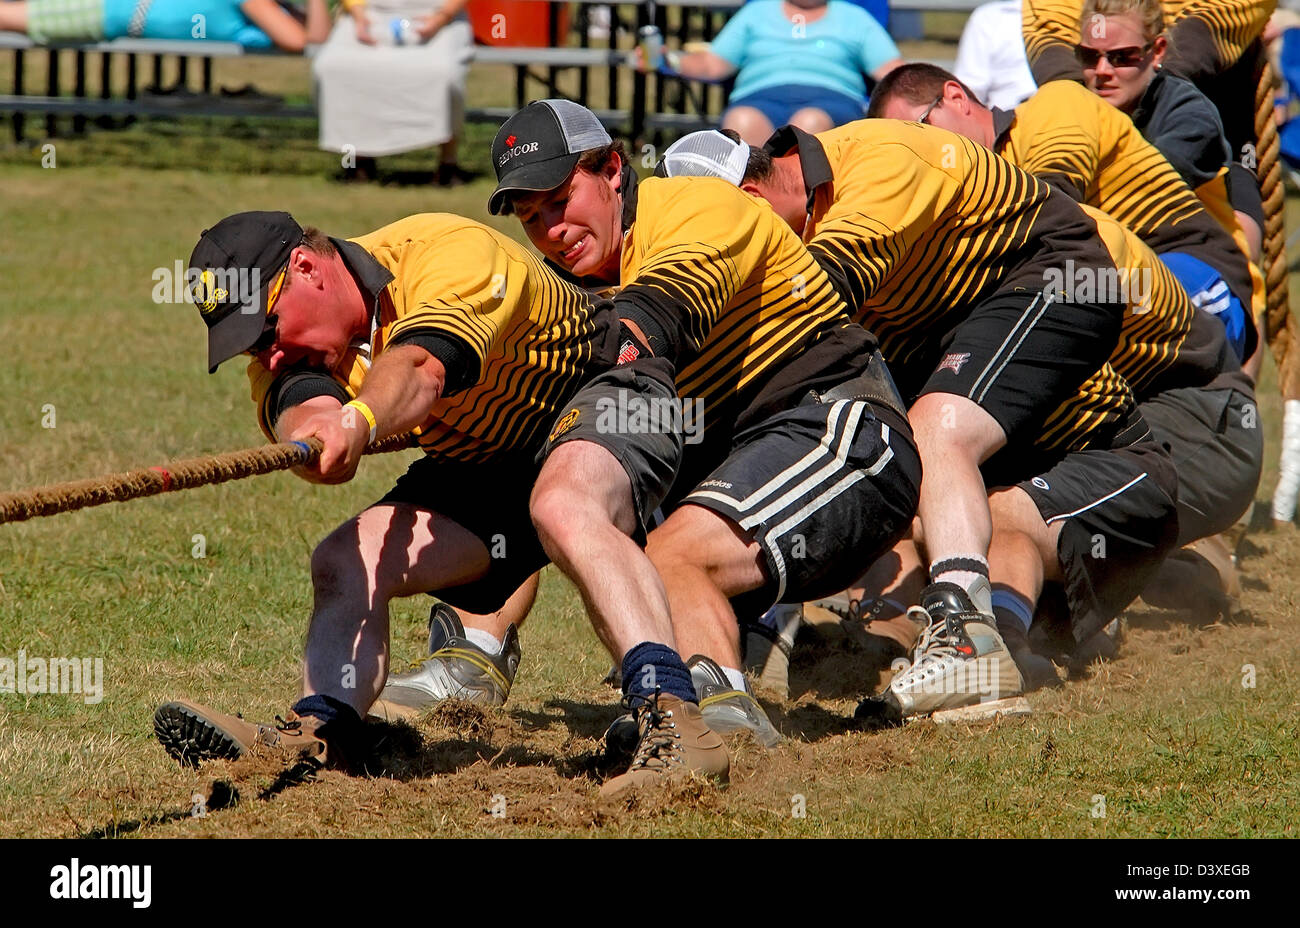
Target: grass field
1165,741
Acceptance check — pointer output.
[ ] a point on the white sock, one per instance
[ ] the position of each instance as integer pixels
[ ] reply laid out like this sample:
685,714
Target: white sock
736,678
483,640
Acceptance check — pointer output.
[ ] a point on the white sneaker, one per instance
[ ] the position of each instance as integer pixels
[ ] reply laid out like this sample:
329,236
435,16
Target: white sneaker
961,668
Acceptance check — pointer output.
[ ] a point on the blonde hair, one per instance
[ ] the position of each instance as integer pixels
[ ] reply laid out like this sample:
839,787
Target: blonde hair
1149,12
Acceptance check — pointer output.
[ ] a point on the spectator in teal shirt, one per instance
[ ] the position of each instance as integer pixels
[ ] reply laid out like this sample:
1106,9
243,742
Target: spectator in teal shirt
251,23
798,62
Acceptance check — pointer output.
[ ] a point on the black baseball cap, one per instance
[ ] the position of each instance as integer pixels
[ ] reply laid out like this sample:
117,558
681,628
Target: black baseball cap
538,147
232,269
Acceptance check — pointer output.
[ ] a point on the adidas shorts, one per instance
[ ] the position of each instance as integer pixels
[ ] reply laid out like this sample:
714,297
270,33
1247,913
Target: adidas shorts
824,488
1021,354
1120,520
1216,440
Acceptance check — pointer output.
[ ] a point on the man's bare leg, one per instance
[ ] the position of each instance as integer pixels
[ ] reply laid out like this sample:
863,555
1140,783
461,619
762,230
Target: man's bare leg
954,437
385,552
704,560
583,509
514,611
1022,557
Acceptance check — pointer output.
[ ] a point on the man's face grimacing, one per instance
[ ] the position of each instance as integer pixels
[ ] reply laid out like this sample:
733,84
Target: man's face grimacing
579,224
313,326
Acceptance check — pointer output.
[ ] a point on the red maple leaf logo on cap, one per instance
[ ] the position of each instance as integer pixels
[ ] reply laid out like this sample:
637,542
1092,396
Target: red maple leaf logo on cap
510,141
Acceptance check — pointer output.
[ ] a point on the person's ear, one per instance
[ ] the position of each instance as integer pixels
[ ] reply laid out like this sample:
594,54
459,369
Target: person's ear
751,188
1159,48
614,171
305,263
955,96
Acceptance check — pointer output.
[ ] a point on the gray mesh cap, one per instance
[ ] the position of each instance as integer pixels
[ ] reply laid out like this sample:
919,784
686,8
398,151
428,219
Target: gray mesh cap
539,146
708,153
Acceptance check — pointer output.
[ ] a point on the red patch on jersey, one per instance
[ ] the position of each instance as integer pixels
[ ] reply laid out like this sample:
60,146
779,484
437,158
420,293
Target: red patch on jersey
629,352
954,361
510,141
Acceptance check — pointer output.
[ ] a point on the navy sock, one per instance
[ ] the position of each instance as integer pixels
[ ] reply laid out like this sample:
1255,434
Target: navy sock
651,665
328,709
1010,604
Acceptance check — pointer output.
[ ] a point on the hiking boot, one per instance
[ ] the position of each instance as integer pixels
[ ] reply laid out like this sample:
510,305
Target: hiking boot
1102,646
674,742
192,733
456,669
766,651
961,670
726,709
1200,578
621,739
1036,670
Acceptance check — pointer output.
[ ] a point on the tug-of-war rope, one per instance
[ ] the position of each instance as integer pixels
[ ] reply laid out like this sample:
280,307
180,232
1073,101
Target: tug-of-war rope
180,475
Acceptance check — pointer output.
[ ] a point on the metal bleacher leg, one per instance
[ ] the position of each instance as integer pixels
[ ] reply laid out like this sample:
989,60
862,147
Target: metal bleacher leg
584,41
132,81
182,72
79,91
105,86
51,89
157,72
20,120
207,75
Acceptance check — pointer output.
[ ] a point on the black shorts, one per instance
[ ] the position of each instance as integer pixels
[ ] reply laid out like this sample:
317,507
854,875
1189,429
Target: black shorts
824,488
1121,520
491,499
1021,354
1216,440
633,411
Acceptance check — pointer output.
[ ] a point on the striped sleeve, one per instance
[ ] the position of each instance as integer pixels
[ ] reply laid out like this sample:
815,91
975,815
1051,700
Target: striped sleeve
1208,36
883,204
691,245
1051,30
461,286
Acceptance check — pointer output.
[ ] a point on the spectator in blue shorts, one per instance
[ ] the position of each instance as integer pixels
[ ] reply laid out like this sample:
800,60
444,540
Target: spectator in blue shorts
803,63
251,23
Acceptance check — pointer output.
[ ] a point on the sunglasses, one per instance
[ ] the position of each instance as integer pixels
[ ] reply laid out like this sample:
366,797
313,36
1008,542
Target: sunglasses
1131,56
267,338
924,118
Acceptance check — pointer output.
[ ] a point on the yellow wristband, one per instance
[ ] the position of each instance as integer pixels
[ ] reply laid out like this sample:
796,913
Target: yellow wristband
350,5
370,417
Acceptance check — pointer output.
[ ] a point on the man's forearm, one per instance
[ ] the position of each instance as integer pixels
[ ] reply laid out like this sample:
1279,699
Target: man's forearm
401,387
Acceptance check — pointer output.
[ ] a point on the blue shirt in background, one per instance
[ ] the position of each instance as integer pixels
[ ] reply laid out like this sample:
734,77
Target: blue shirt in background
834,52
222,21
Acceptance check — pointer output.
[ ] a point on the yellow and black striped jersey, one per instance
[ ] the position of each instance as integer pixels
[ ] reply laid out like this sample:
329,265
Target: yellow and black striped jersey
725,289
1208,36
1083,146
917,225
1157,311
517,340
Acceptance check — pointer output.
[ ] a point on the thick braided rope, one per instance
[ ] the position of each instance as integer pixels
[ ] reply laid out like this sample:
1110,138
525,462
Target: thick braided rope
1279,325
181,475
